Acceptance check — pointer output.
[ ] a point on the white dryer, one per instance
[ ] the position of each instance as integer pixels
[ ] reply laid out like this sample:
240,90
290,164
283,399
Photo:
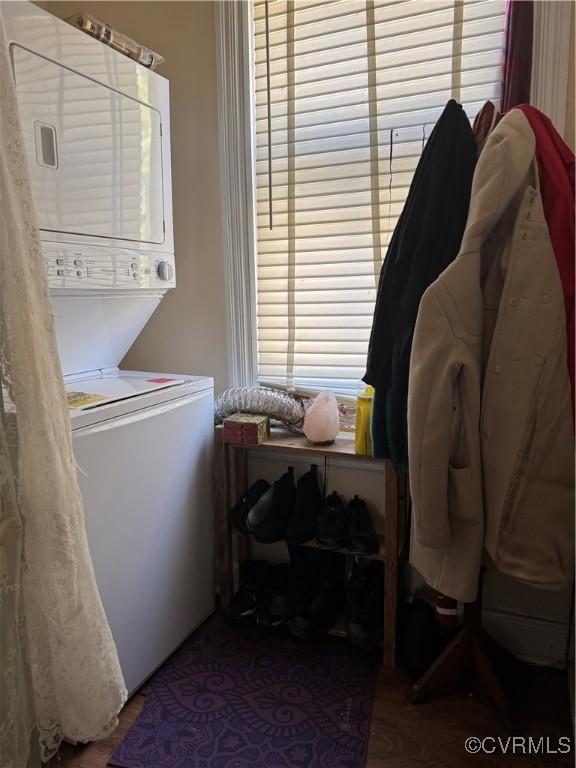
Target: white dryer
97,128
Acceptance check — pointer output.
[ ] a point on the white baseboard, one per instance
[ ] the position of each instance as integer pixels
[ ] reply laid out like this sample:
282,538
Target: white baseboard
534,640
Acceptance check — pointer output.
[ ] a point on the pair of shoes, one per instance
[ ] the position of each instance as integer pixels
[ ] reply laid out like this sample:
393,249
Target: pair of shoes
326,601
285,510
365,604
314,595
349,527
259,581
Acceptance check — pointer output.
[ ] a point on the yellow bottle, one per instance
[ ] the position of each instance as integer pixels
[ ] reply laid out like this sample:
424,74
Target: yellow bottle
362,440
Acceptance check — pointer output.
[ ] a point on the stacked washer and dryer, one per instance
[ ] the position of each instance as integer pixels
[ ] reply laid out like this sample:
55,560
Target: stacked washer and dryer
97,131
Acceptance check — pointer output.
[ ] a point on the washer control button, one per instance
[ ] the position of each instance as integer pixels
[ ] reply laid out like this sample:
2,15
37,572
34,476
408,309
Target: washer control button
165,270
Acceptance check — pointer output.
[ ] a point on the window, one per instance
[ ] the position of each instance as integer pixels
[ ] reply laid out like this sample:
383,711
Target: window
345,95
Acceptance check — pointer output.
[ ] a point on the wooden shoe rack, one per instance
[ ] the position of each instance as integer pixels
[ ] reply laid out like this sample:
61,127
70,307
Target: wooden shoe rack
231,482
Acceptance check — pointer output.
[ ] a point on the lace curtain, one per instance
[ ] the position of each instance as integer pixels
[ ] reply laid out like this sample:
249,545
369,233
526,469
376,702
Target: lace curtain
59,670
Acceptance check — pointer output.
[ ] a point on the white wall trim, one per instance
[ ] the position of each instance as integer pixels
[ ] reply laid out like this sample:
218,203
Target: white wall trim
538,641
236,142
551,59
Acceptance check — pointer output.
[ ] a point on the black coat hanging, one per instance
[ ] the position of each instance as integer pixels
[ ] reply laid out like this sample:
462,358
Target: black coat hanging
426,239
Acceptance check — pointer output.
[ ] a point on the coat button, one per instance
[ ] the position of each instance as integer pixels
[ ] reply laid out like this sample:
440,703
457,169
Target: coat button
497,369
546,298
539,360
512,302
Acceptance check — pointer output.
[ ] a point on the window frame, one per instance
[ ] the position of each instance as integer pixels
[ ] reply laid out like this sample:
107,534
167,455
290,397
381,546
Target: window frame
237,184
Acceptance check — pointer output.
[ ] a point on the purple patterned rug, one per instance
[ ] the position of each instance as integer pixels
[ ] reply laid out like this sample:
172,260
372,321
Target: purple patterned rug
236,697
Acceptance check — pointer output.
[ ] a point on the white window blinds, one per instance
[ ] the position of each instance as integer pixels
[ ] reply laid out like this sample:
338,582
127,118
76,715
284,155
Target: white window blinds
346,93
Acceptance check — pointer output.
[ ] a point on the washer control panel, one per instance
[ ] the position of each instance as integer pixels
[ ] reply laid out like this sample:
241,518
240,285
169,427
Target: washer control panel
95,266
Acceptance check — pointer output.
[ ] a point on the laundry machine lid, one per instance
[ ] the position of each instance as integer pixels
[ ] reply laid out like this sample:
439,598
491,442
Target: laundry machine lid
88,394
100,396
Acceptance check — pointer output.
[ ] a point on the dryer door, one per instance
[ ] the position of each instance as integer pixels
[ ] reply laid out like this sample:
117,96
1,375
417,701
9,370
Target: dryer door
95,154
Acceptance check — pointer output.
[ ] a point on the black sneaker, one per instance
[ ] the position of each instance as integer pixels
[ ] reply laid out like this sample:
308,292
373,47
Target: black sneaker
303,523
239,511
269,524
325,607
332,523
365,604
362,538
254,580
302,583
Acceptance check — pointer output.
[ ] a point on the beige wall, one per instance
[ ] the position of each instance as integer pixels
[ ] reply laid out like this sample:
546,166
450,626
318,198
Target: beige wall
187,333
570,106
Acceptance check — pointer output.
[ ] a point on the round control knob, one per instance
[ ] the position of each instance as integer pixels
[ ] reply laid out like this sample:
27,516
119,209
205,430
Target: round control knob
165,270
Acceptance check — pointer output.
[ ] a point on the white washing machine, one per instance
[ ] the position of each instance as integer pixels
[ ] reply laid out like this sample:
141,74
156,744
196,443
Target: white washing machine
97,133
143,443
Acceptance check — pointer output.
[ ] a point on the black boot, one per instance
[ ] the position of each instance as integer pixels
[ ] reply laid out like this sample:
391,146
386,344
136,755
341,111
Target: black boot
326,605
239,511
269,523
303,523
254,580
279,577
332,523
362,538
301,584
365,597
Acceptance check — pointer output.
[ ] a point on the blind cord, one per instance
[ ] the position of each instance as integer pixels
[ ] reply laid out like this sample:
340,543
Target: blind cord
269,116
390,186
457,49
291,132
374,143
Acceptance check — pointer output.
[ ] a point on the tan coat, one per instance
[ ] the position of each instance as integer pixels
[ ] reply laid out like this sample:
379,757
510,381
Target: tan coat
489,410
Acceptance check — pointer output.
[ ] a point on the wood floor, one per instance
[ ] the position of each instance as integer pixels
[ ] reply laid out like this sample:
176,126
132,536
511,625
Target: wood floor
429,735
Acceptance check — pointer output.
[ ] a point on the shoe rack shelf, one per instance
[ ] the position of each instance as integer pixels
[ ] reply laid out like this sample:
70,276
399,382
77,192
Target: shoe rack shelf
231,482
380,555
